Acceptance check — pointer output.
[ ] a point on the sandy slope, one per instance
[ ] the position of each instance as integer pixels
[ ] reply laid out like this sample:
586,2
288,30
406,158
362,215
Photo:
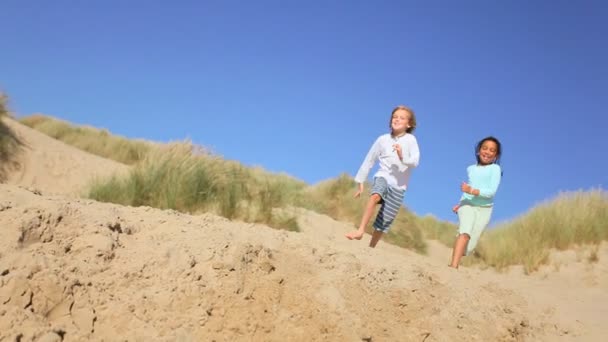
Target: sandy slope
101,271
569,291
52,167
74,269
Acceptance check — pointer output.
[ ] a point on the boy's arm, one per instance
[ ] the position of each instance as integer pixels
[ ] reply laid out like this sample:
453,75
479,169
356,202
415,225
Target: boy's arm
359,190
413,157
368,162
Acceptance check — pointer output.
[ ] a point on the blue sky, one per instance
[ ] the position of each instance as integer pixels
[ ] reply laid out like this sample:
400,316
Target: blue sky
304,87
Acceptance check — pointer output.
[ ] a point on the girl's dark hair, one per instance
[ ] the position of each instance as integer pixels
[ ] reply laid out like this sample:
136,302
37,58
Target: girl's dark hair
498,148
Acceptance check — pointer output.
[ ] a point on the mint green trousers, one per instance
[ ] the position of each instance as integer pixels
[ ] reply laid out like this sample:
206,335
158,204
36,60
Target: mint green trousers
472,221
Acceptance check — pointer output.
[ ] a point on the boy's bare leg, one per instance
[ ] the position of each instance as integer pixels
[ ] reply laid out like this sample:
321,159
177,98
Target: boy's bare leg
367,215
459,248
376,236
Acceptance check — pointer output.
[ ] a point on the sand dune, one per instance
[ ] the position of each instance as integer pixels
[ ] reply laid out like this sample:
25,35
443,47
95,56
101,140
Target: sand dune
74,269
52,167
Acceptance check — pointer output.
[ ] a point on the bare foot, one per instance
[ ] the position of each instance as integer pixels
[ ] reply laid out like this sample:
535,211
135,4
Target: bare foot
456,267
356,235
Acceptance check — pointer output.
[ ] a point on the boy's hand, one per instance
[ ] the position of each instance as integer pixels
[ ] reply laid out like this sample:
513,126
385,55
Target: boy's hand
466,188
455,208
359,191
397,148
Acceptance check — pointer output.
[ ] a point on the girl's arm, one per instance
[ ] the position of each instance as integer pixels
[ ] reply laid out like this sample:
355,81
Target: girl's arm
490,191
413,158
368,162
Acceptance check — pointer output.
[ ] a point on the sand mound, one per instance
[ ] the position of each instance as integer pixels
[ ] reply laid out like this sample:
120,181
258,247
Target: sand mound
78,269
52,167
568,291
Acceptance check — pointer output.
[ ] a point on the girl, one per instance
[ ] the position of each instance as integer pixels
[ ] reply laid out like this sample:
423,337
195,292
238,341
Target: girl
397,154
475,207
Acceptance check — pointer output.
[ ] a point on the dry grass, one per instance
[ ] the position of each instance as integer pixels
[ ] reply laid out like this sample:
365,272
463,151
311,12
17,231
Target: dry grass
9,142
570,220
175,176
90,139
435,229
4,111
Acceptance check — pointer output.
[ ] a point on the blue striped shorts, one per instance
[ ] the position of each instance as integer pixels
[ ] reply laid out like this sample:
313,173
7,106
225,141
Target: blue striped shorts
391,203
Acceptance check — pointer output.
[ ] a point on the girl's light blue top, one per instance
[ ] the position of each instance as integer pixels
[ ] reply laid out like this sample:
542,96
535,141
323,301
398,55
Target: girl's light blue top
485,178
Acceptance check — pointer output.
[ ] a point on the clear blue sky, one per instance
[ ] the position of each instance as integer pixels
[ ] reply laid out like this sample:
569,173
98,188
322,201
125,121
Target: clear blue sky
305,87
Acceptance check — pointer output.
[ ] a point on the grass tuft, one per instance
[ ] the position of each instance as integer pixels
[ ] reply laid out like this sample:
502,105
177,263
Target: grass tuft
571,219
10,144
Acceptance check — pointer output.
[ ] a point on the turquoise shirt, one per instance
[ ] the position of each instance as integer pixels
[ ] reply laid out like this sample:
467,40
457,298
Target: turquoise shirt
486,179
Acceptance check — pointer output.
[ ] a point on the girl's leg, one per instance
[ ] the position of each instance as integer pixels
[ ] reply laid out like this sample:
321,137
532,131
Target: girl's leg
466,218
459,249
482,219
367,215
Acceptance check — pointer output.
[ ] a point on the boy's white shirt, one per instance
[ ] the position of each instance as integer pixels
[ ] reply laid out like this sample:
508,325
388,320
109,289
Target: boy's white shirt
396,172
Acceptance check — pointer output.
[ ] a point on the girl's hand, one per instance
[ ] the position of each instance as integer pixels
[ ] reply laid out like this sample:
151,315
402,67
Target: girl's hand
455,208
397,148
466,188
359,191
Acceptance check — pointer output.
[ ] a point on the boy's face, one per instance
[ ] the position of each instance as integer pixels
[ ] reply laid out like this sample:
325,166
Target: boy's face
400,121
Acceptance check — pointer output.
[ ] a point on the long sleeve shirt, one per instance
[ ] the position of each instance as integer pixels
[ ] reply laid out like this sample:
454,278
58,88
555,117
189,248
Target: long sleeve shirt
485,178
396,172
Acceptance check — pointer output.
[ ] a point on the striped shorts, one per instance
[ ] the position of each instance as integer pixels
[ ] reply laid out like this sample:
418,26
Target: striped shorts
391,202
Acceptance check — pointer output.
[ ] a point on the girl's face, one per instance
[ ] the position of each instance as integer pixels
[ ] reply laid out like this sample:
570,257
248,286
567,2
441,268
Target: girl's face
487,152
400,121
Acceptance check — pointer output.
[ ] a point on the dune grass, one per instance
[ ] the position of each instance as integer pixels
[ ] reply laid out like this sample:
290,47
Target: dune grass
90,139
173,177
9,142
571,219
4,111
435,229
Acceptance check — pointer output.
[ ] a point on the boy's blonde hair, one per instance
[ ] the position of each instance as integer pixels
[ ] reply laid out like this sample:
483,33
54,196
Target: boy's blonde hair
412,118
